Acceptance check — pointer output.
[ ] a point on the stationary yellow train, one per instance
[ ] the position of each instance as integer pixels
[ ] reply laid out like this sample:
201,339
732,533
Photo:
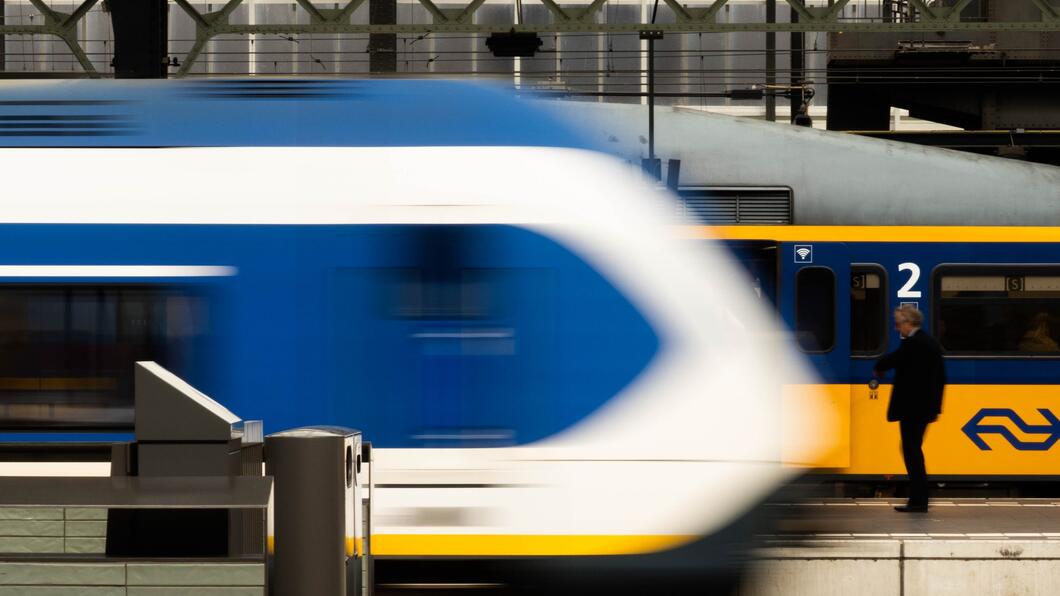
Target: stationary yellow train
991,295
837,230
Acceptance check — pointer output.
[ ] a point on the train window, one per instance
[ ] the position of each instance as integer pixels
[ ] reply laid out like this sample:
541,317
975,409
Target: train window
67,352
421,294
868,311
464,327
998,310
435,283
815,309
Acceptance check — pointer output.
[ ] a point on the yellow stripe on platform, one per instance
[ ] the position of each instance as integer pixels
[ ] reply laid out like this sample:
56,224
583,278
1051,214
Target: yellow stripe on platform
1033,234
494,545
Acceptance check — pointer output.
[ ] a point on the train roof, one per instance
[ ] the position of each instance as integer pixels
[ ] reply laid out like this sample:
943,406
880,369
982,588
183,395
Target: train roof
273,113
836,179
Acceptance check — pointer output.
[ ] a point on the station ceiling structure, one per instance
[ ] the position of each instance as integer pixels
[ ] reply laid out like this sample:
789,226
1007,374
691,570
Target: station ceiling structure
582,17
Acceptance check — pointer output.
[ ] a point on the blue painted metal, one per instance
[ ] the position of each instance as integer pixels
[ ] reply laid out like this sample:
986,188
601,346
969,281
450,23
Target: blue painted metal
274,113
309,330
299,336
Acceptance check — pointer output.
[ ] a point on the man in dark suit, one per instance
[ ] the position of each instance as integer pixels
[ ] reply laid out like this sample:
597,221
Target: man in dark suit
916,398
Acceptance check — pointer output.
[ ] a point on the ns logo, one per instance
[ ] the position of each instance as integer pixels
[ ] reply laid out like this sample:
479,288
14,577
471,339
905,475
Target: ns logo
1002,420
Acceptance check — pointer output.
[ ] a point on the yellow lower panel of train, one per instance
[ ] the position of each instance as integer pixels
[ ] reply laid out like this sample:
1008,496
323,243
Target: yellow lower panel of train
984,430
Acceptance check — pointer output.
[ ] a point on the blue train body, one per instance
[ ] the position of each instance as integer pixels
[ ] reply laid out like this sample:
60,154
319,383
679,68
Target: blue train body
275,113
471,335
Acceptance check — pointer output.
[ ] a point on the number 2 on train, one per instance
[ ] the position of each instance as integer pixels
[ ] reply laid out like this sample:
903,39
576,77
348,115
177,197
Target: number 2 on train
907,290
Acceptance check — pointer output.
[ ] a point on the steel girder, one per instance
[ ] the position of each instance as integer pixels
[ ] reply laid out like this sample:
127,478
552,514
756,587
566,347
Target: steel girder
565,19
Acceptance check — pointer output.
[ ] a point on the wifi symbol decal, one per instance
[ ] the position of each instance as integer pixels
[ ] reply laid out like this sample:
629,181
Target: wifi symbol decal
803,253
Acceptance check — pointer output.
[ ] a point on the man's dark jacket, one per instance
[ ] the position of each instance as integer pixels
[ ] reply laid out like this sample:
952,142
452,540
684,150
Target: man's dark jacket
919,378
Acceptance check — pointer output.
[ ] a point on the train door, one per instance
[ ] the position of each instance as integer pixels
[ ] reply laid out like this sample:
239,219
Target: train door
435,332
759,258
869,317
475,336
815,302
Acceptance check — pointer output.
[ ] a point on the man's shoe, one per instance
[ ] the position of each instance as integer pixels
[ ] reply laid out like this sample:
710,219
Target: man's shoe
911,508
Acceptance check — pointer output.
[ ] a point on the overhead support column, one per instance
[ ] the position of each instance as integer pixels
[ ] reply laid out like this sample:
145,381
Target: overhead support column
382,47
798,63
652,165
141,38
771,61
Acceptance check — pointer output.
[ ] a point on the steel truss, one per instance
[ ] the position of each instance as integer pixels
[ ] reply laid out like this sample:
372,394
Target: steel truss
932,16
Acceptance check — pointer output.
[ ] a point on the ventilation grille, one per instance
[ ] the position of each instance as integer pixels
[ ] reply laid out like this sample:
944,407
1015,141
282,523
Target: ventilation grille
66,125
274,89
737,205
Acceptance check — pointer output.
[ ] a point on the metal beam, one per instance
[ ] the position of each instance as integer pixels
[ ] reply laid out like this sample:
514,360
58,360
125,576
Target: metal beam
70,38
80,13
49,15
314,12
465,15
955,12
574,26
558,11
681,12
225,12
63,26
194,14
570,25
690,18
1049,12
587,15
345,12
800,9
712,11
439,16
836,9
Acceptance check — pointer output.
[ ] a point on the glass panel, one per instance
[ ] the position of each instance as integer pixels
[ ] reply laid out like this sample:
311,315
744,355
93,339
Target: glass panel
67,352
1006,313
815,309
868,312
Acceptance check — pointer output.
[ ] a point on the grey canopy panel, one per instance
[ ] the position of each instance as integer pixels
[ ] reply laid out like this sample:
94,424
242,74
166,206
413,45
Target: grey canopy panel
169,409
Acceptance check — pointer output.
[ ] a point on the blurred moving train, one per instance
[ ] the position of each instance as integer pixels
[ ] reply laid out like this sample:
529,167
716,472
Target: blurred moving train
546,372
837,231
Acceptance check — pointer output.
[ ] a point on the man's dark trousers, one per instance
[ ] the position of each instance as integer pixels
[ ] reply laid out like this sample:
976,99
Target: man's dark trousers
912,439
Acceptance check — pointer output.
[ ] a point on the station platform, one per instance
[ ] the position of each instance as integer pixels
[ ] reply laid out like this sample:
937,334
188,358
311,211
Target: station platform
865,547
